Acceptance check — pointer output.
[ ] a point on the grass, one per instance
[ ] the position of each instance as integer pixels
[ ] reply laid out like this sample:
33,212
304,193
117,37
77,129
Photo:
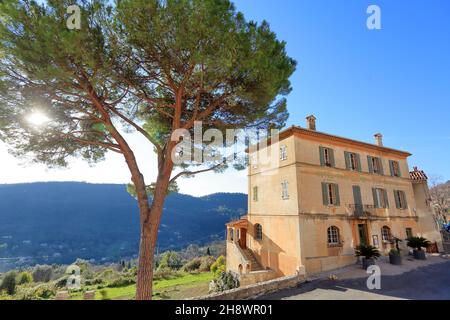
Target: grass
185,286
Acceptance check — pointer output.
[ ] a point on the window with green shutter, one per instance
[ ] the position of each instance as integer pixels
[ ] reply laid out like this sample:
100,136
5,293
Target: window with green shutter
352,161
380,199
395,168
330,194
326,157
400,199
375,165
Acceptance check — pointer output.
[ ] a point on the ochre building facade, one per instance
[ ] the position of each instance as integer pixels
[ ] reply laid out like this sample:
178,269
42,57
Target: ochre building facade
324,196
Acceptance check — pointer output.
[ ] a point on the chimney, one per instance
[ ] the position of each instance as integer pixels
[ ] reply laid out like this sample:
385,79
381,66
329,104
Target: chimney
379,139
311,122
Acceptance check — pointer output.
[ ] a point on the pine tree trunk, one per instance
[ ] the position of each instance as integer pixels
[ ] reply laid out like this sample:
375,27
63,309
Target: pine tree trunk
144,283
149,237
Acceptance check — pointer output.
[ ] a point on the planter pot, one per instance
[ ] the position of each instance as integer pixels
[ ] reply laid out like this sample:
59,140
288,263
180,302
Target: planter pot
367,262
419,254
395,259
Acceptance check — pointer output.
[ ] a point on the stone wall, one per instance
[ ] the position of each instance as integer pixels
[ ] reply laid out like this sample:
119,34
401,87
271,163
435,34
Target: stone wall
255,290
246,279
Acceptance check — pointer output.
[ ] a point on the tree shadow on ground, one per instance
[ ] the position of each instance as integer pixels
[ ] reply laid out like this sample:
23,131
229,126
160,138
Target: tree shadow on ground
430,282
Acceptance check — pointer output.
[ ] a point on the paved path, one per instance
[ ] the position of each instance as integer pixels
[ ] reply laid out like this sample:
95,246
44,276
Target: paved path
419,280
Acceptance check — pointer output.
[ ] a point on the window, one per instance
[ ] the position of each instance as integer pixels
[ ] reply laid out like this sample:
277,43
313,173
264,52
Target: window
326,157
255,193
375,165
400,199
330,193
395,168
380,198
254,161
333,235
258,232
230,234
386,234
352,161
283,153
409,233
284,190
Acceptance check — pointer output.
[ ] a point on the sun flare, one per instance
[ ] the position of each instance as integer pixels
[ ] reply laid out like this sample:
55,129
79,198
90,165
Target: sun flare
38,118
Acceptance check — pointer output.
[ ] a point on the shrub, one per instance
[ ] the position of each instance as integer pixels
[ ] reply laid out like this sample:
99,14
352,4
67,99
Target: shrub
192,265
224,281
170,259
418,243
164,273
206,264
104,294
42,273
219,266
122,282
9,283
367,251
25,277
40,292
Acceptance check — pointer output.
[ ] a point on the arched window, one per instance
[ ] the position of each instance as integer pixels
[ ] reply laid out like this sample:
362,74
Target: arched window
230,234
240,268
258,232
333,235
386,234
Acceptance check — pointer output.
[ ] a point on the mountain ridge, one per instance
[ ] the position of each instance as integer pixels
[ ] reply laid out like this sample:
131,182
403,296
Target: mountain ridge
57,222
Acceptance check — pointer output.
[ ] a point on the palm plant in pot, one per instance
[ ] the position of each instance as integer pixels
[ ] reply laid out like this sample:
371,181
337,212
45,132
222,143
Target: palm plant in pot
394,254
417,243
369,254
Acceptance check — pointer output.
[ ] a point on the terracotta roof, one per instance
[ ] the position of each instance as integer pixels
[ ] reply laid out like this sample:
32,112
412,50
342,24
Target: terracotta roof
296,129
418,175
242,223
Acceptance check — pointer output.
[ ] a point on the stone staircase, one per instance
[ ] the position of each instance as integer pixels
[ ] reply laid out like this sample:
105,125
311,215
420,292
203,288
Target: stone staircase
254,264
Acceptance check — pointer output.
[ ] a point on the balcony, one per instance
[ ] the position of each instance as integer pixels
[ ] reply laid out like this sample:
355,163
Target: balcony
362,211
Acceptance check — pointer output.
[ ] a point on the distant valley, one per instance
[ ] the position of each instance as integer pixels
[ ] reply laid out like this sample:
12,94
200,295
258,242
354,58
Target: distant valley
57,222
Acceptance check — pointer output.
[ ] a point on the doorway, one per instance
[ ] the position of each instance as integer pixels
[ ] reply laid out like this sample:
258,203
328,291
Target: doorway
362,232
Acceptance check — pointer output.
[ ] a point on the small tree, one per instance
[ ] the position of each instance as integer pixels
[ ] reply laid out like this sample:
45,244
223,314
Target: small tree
9,283
170,259
208,252
219,266
25,277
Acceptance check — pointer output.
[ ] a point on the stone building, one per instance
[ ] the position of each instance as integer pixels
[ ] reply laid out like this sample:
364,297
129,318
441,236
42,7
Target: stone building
324,196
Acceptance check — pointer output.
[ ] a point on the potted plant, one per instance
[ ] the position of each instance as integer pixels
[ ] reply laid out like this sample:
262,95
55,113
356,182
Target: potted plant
417,243
394,254
369,254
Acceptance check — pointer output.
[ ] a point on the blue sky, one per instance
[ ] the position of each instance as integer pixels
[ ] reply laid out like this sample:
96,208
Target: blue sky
356,81
359,82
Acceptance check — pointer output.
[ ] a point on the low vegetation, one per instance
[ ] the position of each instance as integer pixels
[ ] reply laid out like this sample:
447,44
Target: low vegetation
184,274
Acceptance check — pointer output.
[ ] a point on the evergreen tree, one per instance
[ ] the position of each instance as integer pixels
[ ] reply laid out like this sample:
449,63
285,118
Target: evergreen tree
149,66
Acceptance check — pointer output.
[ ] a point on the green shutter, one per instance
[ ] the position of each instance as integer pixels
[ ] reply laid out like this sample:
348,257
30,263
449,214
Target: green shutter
404,199
357,195
369,161
386,200
336,191
322,156
358,162
391,166
397,200
326,202
398,168
380,162
347,160
332,162
375,198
